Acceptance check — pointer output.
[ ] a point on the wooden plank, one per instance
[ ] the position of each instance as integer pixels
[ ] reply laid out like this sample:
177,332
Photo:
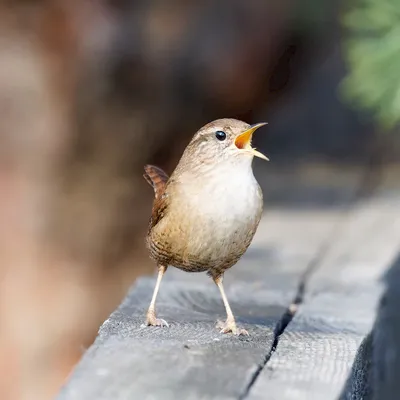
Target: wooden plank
191,360
380,361
374,372
317,350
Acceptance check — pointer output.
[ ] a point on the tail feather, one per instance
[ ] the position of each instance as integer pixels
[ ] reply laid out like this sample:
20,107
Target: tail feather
157,178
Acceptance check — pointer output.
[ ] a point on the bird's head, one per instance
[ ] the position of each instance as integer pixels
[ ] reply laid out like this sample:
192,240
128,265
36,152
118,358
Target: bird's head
223,140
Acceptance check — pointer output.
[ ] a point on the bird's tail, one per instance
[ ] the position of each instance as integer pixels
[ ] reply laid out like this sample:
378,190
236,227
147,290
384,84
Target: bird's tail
157,178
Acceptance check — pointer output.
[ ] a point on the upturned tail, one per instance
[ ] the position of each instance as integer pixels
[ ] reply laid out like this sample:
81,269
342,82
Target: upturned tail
157,178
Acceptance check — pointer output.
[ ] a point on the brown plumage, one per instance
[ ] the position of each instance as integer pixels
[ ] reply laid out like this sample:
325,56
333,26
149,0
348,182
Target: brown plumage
205,215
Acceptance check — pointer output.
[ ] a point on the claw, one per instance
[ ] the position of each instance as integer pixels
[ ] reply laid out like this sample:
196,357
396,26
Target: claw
153,321
235,331
230,327
160,322
220,324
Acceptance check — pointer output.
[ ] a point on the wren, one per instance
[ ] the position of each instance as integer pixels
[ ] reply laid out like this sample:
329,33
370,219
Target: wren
206,213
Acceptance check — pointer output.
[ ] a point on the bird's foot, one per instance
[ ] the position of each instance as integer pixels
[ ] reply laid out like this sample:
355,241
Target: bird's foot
230,327
151,320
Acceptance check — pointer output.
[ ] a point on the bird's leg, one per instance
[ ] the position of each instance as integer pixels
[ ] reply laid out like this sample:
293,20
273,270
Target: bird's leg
151,312
229,325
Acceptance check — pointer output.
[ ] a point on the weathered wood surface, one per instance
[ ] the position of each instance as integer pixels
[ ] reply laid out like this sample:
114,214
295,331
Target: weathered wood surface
331,247
317,350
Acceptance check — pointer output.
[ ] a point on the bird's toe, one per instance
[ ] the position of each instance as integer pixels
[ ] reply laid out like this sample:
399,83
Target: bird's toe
230,327
161,322
220,325
152,321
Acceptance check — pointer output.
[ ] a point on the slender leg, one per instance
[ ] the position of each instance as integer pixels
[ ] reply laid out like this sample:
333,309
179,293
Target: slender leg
230,324
151,313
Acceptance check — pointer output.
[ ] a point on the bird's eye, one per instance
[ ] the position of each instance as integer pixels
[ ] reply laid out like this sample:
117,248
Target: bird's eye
220,135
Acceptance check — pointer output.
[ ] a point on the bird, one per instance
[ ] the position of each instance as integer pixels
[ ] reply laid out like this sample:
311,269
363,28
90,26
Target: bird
205,215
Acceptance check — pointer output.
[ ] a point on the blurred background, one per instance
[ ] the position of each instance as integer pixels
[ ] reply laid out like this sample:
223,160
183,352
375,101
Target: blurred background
90,91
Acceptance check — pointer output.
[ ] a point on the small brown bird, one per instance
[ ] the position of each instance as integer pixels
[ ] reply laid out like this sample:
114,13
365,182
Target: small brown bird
205,215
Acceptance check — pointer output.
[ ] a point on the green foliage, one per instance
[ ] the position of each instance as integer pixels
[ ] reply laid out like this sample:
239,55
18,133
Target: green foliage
372,51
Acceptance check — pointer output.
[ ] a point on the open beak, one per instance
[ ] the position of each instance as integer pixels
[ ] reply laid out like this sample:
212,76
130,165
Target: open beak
243,141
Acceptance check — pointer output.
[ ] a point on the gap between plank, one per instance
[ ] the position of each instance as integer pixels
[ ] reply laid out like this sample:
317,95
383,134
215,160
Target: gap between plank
369,182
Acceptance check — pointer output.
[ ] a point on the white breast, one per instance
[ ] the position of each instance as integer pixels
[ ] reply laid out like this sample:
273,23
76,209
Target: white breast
227,197
223,208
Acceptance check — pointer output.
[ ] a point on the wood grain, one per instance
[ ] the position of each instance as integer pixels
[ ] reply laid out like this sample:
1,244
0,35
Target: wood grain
317,350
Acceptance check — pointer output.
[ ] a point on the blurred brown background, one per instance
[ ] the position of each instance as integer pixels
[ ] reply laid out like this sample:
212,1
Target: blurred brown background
89,93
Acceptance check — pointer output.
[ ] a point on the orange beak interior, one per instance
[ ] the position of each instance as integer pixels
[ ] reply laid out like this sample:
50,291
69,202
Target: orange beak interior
243,141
